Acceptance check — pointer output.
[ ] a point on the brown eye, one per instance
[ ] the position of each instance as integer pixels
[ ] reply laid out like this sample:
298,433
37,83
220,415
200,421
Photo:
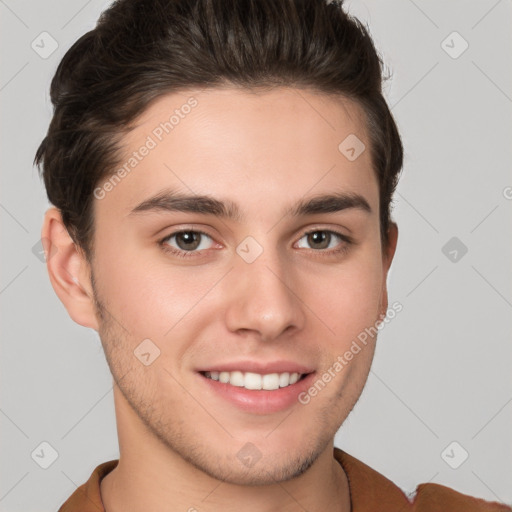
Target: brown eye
188,240
319,239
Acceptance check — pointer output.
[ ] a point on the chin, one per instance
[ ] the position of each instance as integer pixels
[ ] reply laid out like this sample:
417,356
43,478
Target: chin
262,472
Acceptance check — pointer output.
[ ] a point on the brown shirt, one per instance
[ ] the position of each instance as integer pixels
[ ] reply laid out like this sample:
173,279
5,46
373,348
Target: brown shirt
369,492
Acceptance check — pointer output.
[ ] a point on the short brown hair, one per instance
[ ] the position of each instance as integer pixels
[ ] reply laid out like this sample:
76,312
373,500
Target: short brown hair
141,50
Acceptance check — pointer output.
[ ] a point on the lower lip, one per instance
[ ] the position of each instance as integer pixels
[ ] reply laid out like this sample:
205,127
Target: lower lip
260,401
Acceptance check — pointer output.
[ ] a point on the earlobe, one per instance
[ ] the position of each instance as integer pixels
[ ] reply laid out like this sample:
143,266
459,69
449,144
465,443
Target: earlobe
68,270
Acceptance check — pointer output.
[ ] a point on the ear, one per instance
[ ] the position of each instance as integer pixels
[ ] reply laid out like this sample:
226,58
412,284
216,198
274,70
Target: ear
388,253
68,269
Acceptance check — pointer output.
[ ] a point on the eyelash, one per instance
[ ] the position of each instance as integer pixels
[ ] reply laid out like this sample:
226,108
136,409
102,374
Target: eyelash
192,254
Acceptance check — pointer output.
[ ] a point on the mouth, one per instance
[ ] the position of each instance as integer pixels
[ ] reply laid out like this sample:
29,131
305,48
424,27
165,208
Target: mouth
255,381
257,386
260,391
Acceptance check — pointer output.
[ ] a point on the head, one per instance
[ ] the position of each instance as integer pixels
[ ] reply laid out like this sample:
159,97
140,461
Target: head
273,113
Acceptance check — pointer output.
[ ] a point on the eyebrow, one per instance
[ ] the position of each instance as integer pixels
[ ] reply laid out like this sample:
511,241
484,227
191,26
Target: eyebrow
174,201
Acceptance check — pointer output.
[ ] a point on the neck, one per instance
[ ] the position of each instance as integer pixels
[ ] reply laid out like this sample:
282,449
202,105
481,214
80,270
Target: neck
130,488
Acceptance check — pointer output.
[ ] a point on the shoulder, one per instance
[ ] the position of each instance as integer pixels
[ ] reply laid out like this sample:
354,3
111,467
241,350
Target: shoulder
87,497
370,490
438,498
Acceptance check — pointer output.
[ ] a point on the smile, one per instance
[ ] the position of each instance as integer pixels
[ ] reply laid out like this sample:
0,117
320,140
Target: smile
255,381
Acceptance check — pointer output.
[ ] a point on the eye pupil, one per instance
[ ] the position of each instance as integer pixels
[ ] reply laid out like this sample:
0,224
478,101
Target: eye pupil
189,238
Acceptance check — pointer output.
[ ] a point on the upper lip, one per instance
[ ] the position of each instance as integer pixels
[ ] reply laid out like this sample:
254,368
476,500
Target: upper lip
259,367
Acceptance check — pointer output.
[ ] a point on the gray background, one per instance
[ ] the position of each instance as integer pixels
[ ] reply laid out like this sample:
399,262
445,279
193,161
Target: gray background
442,368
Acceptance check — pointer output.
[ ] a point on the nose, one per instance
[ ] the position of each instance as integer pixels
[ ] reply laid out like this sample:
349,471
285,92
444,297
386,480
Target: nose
264,298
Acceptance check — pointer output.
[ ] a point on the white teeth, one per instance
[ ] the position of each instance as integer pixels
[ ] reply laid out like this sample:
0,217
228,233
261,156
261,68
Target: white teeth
249,380
294,377
271,381
236,379
252,381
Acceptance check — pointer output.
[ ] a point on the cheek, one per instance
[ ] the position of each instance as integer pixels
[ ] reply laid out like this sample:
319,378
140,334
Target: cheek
349,300
149,297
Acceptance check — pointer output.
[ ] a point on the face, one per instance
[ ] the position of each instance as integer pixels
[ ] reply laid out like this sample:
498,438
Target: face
275,281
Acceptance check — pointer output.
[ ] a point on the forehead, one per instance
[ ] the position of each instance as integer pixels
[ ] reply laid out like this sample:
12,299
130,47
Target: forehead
227,142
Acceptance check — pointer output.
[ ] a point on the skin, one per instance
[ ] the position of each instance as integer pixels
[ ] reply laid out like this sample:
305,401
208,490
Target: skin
298,300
